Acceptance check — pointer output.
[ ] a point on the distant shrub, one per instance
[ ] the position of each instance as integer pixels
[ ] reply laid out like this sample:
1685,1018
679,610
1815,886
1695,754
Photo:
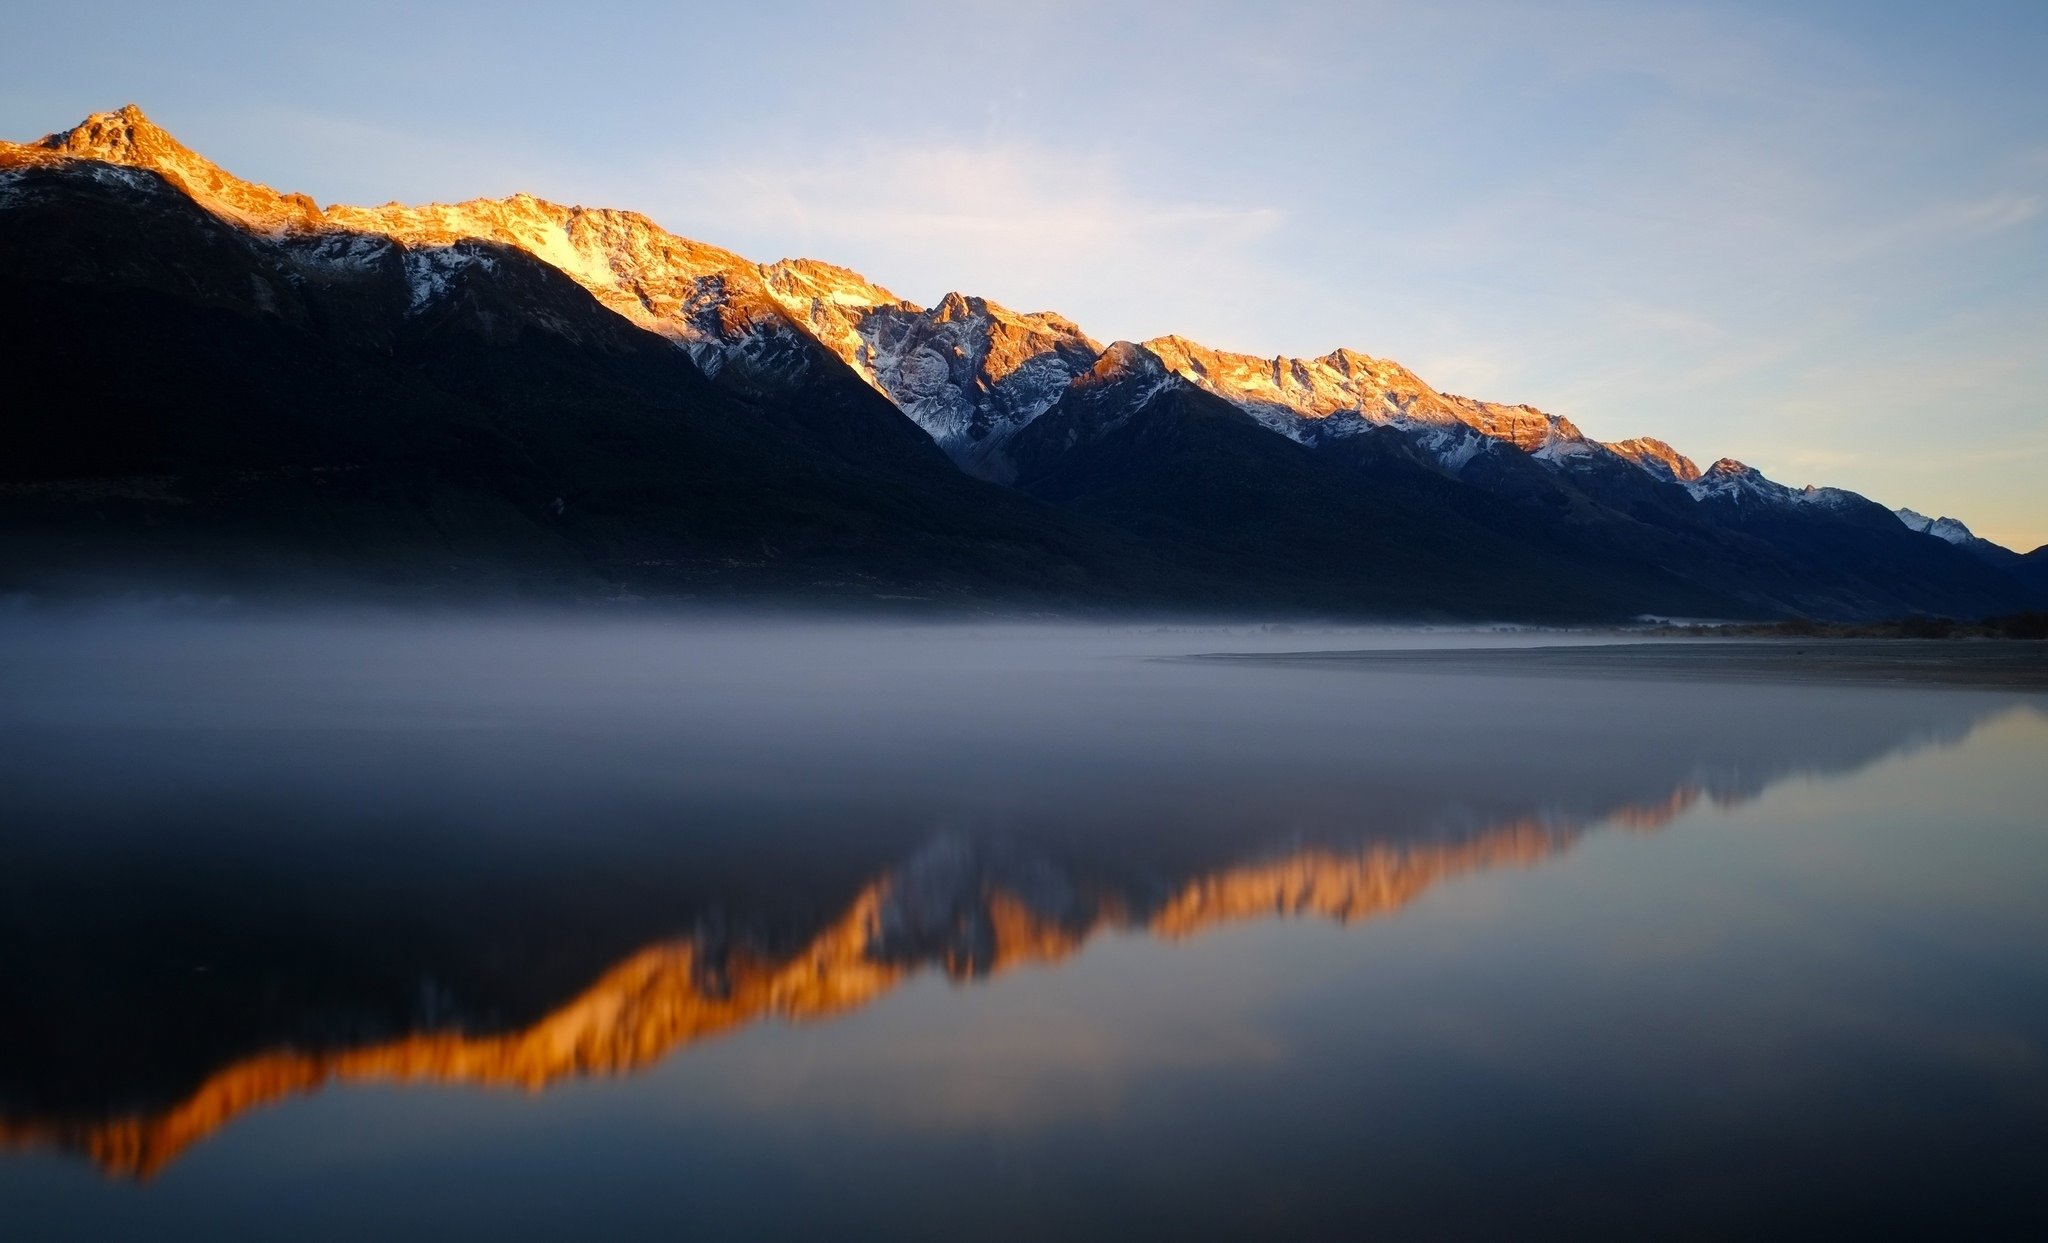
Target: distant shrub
1927,627
2019,626
1799,627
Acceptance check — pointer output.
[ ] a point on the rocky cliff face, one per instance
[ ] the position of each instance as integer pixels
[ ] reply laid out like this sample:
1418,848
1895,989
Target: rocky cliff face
1657,458
968,371
1344,393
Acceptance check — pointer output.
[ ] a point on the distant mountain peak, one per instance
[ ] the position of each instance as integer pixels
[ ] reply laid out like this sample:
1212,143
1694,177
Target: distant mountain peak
1738,482
829,283
1124,360
1948,529
1657,457
708,300
1732,480
1282,392
1344,392
128,137
958,306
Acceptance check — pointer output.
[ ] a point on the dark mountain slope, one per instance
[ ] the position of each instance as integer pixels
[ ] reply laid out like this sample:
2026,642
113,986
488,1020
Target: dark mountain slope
1130,445
1858,558
189,401
1842,556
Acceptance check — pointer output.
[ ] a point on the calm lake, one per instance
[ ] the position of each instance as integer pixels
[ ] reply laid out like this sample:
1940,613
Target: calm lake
592,929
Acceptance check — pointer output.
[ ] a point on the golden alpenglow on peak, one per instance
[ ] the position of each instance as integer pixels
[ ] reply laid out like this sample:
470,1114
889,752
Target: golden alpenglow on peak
814,280
682,289
129,138
1316,388
1649,452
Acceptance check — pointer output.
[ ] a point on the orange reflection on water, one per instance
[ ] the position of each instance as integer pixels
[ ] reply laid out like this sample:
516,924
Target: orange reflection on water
669,995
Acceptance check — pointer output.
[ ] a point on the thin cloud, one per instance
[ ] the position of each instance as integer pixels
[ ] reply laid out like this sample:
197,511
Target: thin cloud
1994,214
1024,224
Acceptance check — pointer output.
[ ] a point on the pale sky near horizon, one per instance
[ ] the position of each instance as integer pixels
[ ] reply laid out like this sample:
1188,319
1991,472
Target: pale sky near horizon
1809,236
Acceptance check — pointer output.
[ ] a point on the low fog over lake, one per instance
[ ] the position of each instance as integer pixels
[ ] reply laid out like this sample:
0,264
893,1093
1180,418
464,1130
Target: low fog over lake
607,927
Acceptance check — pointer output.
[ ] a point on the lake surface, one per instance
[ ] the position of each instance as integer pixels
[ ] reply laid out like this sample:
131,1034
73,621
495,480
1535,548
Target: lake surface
372,928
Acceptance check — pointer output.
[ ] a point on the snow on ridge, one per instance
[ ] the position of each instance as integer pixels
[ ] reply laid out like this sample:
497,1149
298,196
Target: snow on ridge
431,271
1738,482
1949,529
1345,393
1743,484
1657,458
814,280
970,372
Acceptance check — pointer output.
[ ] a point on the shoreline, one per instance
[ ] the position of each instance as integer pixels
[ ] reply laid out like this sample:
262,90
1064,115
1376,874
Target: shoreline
1998,665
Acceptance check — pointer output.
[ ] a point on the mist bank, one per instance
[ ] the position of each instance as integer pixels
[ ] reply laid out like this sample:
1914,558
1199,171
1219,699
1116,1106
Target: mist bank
2017,665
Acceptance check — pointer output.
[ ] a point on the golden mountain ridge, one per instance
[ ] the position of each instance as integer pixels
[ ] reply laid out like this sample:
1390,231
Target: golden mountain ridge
970,388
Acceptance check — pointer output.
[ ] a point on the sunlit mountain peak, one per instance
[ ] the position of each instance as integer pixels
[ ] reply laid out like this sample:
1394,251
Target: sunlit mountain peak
1654,455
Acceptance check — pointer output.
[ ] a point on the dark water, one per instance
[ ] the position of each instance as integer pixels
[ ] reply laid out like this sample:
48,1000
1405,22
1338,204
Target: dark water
597,930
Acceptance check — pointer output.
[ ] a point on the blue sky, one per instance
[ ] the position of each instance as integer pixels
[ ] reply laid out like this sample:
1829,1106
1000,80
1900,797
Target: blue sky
1809,236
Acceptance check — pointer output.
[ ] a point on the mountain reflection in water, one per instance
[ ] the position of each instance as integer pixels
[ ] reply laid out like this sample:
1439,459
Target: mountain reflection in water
951,907
367,858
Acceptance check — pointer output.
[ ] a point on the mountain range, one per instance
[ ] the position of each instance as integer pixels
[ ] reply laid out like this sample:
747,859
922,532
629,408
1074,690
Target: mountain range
220,386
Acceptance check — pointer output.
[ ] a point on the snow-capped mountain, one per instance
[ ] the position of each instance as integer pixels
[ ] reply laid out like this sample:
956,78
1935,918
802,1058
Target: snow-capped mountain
811,348
1657,458
1344,392
1947,529
968,371
1952,532
1739,484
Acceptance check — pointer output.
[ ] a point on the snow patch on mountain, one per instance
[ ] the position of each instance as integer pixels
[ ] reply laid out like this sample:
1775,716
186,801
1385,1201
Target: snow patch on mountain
1346,390
1741,484
972,373
1345,393
1948,529
1656,458
432,271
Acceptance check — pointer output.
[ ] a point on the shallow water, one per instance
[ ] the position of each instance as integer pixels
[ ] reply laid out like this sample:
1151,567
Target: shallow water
627,929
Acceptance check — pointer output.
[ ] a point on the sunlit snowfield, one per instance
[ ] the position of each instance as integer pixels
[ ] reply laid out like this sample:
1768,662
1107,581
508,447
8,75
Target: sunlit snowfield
644,929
